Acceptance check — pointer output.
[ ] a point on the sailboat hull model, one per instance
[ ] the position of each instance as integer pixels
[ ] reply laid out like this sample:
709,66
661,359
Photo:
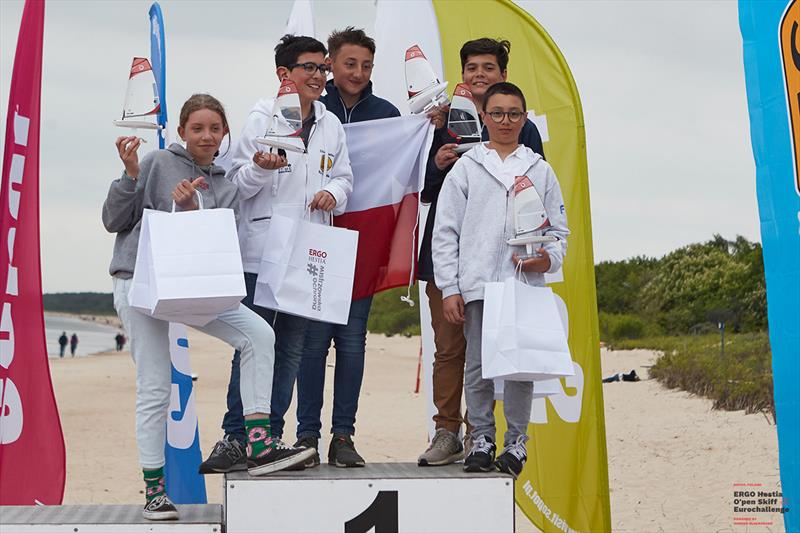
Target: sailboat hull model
142,104
425,91
286,124
462,120
529,216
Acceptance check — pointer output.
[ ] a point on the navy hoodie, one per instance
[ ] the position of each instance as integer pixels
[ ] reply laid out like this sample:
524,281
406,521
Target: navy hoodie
434,178
368,107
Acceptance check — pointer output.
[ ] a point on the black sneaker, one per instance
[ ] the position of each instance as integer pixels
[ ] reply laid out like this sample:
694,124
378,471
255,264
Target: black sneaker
228,455
481,456
513,458
278,456
342,452
309,442
160,508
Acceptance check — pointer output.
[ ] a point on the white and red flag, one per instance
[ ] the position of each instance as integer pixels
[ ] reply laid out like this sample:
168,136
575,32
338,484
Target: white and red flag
388,157
32,461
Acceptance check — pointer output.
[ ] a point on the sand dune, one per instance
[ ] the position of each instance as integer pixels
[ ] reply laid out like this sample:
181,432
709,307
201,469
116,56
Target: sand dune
673,461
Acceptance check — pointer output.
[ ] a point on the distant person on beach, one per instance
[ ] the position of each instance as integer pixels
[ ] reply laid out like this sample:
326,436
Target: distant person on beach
120,338
177,175
62,343
473,224
73,344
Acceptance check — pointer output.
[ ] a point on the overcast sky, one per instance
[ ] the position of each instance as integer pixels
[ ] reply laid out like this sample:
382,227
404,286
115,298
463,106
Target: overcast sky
662,86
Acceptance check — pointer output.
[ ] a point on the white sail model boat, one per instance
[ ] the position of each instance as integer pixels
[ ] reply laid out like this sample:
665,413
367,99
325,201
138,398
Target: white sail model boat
424,88
283,132
529,216
462,121
142,104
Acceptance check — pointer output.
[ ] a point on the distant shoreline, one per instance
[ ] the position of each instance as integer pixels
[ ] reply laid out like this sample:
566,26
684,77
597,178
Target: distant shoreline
112,321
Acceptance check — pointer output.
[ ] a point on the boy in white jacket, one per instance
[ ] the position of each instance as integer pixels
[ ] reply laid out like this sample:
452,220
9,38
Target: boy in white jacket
271,182
474,219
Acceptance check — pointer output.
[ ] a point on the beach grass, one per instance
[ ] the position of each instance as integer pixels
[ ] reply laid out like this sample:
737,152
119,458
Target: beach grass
738,378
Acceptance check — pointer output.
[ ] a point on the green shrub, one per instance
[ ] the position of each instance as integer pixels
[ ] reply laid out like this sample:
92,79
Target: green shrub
391,316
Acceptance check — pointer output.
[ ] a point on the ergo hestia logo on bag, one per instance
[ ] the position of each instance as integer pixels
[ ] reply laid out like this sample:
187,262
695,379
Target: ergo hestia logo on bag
316,270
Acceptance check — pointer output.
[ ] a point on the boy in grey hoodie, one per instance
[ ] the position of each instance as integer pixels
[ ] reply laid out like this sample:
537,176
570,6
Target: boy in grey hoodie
474,219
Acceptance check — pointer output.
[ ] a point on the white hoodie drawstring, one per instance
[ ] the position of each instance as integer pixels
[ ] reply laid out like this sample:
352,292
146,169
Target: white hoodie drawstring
407,298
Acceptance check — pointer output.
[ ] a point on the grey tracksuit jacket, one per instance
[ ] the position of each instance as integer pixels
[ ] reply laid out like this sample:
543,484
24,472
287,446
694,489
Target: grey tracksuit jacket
159,173
474,219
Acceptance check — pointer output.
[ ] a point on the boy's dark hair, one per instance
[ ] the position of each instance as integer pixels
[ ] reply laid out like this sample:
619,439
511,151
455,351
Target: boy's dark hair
504,87
486,45
350,35
290,47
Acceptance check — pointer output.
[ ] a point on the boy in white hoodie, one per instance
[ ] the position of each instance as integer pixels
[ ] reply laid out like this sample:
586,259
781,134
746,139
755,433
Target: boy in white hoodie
272,182
474,219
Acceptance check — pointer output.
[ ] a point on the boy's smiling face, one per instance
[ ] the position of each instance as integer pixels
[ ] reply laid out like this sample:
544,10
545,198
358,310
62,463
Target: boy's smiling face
352,69
480,72
504,132
309,86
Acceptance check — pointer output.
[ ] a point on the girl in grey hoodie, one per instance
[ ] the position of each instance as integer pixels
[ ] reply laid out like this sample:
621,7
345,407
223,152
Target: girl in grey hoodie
474,220
177,175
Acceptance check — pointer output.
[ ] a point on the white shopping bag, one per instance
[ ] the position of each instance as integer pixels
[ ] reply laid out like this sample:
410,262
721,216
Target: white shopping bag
188,266
492,305
307,269
526,340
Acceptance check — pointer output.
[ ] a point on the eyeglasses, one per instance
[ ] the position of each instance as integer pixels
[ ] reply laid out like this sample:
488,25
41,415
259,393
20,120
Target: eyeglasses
499,116
311,68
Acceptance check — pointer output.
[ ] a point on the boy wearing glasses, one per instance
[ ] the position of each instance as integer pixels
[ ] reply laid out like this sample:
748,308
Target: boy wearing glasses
483,63
474,220
273,182
349,96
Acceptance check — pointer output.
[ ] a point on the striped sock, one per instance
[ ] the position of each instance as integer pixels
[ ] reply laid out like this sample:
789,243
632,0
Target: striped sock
153,482
259,436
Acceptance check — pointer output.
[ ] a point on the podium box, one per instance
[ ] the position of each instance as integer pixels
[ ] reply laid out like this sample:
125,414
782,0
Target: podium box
106,519
389,497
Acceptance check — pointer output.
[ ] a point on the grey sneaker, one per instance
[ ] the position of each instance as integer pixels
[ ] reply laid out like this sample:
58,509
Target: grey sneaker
444,449
513,458
227,456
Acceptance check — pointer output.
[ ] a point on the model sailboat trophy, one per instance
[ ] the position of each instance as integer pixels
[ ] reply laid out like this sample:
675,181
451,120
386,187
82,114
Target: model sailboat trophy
142,104
529,217
424,88
283,132
462,120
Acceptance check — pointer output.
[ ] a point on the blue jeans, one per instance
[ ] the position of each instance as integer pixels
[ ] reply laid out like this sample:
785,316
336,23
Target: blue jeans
350,341
290,331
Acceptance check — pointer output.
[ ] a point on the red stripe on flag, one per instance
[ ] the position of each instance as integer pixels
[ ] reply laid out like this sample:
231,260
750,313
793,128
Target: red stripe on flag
387,242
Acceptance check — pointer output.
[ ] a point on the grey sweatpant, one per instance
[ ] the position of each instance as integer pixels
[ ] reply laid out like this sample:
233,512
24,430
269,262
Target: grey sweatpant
479,392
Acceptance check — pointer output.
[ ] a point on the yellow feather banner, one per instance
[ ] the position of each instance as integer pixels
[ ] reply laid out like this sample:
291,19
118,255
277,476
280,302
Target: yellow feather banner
564,486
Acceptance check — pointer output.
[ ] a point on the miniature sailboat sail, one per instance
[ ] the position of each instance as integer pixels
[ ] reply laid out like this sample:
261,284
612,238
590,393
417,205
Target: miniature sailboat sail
462,121
424,88
529,215
142,104
286,124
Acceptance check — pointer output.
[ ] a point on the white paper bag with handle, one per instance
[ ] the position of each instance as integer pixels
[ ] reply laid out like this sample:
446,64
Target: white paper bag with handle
307,269
492,305
528,341
188,265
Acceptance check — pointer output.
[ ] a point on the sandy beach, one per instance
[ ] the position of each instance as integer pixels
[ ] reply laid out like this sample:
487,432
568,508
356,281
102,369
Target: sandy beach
673,461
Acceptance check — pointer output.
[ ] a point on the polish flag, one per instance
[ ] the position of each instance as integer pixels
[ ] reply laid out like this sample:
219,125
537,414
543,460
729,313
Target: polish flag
388,158
32,460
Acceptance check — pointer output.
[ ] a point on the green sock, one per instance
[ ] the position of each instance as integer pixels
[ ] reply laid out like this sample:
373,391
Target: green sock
259,436
153,482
